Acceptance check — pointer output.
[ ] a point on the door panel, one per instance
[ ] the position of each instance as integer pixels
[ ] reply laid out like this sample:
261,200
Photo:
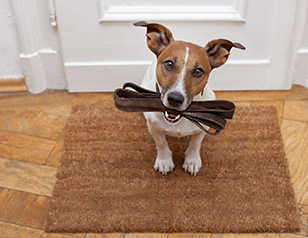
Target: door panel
101,48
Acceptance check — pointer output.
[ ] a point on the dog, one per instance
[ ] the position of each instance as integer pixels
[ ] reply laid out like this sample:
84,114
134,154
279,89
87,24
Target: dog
180,73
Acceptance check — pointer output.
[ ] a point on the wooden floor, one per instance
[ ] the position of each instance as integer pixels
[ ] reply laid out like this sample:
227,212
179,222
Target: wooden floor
31,141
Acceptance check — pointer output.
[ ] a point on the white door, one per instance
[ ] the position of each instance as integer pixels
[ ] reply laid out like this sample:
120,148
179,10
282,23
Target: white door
101,49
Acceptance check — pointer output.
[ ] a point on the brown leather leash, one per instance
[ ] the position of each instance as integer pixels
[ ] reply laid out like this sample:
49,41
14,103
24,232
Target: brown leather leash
209,113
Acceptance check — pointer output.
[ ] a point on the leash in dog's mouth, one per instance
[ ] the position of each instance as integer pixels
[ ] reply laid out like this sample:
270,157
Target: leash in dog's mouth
212,114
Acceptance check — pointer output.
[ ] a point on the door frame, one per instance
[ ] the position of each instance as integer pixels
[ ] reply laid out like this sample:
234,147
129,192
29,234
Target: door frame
39,44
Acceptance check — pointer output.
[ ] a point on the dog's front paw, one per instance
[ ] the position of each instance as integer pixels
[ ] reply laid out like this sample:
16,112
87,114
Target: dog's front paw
164,165
192,165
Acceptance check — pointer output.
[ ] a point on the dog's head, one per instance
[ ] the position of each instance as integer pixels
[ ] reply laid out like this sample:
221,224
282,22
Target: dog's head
183,68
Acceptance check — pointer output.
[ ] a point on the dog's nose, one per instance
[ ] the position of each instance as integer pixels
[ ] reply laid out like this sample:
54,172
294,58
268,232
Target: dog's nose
175,99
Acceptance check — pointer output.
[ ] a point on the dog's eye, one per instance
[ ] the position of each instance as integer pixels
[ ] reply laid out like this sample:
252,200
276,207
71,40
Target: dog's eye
169,65
198,72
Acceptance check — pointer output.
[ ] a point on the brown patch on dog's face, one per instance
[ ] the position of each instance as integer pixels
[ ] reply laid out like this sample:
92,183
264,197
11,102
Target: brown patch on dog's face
183,63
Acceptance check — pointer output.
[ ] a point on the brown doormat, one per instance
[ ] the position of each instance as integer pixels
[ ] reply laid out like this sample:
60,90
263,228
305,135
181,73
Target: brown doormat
106,181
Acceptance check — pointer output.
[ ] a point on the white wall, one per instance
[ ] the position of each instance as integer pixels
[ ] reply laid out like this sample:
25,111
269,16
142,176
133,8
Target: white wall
10,66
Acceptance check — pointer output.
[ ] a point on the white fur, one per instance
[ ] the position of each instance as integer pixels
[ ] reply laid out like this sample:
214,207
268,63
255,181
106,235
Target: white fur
159,127
179,86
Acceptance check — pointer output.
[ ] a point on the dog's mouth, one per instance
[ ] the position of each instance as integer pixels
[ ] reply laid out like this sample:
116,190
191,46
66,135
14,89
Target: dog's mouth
172,117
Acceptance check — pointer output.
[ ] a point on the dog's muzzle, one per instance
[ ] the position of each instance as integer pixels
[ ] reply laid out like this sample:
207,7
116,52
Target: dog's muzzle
174,102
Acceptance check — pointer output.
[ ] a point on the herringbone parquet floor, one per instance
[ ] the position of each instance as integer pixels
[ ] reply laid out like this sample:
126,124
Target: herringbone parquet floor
31,141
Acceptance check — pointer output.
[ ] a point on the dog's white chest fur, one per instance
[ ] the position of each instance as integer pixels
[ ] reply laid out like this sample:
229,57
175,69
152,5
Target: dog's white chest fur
156,119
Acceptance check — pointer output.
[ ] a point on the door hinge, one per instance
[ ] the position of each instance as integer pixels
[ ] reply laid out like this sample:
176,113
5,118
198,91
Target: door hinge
51,12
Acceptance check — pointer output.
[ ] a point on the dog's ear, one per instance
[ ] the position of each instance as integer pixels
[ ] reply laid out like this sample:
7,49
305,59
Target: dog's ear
218,51
158,36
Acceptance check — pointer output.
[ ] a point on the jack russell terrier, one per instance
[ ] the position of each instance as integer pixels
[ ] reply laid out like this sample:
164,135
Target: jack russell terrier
180,73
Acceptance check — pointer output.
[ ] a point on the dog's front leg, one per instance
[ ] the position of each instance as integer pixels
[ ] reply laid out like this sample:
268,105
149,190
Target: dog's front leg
192,163
164,162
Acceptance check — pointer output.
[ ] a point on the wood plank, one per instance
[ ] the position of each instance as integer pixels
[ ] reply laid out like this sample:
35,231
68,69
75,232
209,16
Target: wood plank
60,110
202,235
296,110
12,230
289,235
146,235
296,93
27,177
247,235
24,147
180,235
32,122
303,211
23,208
51,97
54,158
108,235
295,136
190,235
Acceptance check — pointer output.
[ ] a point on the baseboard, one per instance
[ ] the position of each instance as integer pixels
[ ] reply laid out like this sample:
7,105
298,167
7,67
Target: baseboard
12,84
300,75
103,76
107,76
43,69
